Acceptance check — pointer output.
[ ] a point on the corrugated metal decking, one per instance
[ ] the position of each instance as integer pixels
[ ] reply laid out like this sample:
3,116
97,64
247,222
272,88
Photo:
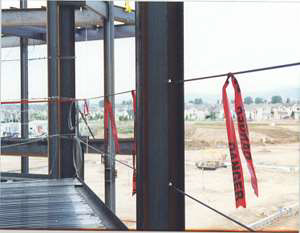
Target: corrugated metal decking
46,204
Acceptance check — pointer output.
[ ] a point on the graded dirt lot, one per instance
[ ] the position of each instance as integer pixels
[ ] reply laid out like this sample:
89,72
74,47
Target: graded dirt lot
277,166
213,134
277,187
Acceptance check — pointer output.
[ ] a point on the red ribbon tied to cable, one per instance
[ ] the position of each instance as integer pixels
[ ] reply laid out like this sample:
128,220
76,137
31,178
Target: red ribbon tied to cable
237,170
86,109
133,93
109,112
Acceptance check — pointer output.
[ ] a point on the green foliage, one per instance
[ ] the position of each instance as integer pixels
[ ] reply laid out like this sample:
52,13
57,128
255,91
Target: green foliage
123,118
259,100
248,100
212,116
276,99
128,102
197,101
37,116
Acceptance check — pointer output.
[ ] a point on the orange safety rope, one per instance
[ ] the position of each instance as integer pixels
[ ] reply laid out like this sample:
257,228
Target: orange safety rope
133,93
108,113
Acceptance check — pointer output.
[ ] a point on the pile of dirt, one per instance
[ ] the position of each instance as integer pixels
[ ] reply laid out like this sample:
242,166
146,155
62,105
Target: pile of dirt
201,136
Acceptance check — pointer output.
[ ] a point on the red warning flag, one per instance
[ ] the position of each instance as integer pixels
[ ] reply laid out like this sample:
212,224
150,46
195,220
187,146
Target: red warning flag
133,93
237,170
109,113
86,109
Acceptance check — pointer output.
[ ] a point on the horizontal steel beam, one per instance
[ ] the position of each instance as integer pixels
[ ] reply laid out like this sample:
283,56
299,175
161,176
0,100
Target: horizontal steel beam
17,147
38,17
98,7
14,41
98,144
122,16
31,32
20,176
76,4
22,147
82,34
83,18
87,34
105,214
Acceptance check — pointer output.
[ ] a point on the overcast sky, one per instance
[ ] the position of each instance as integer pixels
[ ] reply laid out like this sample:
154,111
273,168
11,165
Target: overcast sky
219,38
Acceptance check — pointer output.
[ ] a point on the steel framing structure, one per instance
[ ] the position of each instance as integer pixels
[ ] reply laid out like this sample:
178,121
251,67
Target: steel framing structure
61,84
39,147
109,90
24,92
158,28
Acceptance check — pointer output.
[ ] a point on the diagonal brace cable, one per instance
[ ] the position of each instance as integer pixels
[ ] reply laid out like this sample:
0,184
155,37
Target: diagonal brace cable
211,208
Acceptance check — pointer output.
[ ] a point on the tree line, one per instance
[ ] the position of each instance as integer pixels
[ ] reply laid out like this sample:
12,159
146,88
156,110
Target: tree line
276,99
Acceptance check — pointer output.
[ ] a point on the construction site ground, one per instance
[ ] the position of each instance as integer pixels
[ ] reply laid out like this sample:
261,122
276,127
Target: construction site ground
275,151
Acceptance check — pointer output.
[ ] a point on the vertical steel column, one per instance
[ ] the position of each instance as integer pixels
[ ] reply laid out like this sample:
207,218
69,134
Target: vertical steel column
67,84
160,115
109,89
61,83
53,107
24,92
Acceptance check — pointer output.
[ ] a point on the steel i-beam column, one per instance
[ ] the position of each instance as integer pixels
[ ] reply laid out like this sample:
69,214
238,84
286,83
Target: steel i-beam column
61,84
160,115
110,189
53,126
24,93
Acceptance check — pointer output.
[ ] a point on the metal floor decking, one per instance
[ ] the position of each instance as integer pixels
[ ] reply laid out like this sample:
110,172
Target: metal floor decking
53,204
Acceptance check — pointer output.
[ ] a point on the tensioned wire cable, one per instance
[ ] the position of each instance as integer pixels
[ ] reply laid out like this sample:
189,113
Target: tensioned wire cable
178,190
66,99
70,136
188,80
38,58
65,136
209,207
59,99
41,138
102,152
171,185
238,72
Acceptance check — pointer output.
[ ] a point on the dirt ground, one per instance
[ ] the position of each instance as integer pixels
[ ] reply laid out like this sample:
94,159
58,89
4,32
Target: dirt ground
214,134
277,168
